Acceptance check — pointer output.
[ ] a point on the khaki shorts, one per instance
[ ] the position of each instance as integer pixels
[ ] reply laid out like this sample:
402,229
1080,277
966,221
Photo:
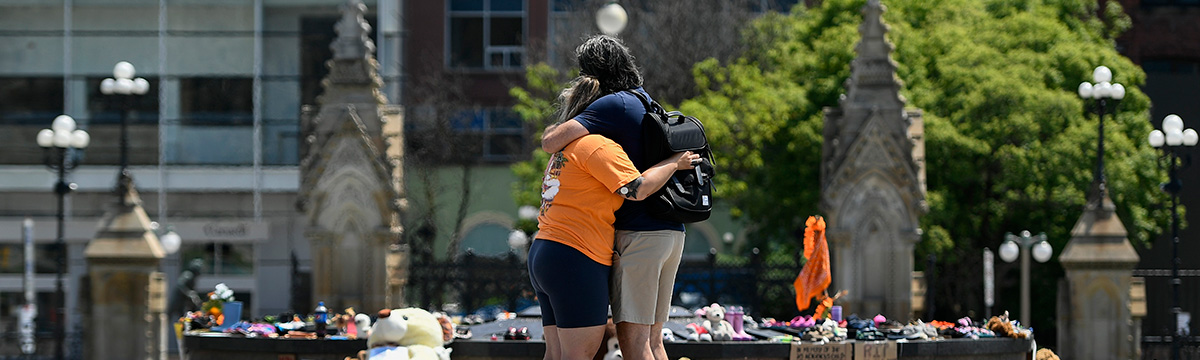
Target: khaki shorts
643,275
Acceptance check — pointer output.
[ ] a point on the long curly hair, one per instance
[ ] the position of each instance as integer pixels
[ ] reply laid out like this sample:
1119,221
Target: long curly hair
608,60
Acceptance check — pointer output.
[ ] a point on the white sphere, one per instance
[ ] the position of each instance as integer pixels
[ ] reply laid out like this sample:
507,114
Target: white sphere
1101,74
45,138
63,124
1042,251
140,86
527,212
1174,137
62,139
1085,90
1102,90
1009,251
170,242
611,19
517,239
1189,137
1118,91
123,86
1157,138
123,70
1172,122
107,85
80,139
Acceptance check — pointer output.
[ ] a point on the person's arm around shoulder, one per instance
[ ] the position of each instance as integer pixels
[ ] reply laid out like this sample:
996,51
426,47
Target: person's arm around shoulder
654,178
558,136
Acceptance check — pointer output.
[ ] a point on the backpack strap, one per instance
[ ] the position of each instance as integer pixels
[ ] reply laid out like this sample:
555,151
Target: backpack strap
650,105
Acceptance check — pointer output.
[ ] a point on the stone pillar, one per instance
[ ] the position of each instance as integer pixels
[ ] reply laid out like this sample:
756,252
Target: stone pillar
872,180
126,315
350,173
397,275
1098,322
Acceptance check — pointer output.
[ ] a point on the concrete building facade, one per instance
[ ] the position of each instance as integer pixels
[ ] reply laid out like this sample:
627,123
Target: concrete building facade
215,143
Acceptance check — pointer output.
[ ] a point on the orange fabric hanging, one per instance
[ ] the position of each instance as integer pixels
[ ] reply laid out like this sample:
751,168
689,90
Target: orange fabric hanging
814,278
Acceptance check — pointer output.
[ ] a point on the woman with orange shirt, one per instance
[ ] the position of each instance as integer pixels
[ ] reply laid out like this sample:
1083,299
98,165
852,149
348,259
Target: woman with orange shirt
570,261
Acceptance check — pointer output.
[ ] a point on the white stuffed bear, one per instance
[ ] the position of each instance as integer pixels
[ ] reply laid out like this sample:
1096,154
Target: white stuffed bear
385,338
420,335
716,324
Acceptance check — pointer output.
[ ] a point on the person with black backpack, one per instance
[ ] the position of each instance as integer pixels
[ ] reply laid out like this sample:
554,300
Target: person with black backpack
571,258
647,250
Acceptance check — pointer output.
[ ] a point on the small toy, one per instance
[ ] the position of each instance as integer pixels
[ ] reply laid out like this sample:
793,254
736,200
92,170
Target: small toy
614,350
362,325
698,333
668,335
716,324
408,333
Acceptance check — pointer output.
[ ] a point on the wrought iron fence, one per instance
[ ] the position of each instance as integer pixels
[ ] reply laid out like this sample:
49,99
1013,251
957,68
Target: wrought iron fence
471,281
759,282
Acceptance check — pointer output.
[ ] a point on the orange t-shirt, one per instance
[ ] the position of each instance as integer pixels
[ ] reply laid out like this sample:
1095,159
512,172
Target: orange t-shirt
578,195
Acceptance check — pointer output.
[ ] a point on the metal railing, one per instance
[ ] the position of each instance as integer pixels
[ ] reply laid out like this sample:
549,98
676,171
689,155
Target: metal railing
760,283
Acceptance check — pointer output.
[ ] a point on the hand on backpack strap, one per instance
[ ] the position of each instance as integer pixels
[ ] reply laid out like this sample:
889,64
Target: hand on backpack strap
685,160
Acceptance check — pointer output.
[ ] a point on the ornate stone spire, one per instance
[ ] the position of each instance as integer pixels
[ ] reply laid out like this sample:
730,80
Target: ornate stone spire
350,174
873,71
872,178
353,40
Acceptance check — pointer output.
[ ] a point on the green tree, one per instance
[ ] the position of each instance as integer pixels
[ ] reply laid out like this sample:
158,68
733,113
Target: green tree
537,104
1009,144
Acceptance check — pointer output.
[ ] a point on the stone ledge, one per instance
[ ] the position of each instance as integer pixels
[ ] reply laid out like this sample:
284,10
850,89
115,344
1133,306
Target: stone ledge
240,348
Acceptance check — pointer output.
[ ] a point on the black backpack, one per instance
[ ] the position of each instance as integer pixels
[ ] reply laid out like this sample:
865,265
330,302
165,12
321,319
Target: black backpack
687,195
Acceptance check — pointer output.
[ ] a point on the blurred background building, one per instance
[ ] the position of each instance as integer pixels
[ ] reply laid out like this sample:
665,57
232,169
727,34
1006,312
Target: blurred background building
214,143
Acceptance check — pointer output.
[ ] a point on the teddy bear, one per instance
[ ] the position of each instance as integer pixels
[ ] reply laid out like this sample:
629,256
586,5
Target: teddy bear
409,333
716,324
1045,354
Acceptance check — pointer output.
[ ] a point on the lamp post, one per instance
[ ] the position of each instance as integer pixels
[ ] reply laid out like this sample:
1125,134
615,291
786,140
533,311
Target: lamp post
56,142
1171,140
125,86
1015,246
170,243
1101,91
611,18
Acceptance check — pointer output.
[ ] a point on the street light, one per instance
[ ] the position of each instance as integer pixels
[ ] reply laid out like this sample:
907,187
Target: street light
526,226
56,142
611,18
1171,140
125,86
1101,91
1015,246
170,241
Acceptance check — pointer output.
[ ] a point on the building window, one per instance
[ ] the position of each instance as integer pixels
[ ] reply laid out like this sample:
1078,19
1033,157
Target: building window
106,109
500,131
216,101
12,258
567,5
221,258
30,100
486,34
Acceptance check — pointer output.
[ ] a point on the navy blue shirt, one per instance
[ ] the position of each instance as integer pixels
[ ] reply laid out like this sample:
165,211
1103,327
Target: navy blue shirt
618,116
